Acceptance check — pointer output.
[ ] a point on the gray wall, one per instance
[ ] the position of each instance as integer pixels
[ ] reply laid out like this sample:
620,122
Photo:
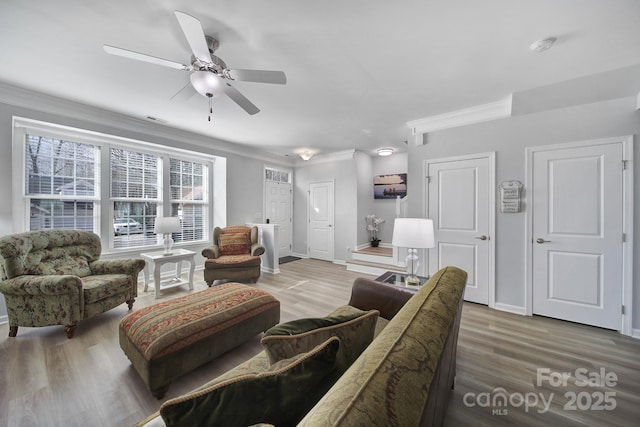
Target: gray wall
354,200
508,138
244,189
386,208
344,175
364,172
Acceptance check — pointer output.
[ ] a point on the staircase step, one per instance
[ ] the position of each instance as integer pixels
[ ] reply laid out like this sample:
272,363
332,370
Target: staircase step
373,268
380,255
379,250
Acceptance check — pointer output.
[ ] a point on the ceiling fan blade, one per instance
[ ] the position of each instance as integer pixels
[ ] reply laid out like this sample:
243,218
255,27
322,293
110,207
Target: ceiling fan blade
259,76
184,94
118,51
192,30
240,99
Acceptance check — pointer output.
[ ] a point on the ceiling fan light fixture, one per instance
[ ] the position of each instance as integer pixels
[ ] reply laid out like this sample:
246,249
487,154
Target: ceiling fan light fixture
385,152
206,83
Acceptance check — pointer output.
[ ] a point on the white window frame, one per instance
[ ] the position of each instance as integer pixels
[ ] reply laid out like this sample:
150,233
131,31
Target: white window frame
206,200
95,199
104,205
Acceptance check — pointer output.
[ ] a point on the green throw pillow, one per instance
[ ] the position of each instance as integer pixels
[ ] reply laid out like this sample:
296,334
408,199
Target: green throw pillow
354,327
280,396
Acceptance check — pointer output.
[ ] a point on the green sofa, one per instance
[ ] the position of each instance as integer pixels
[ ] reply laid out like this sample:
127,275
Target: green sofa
55,277
405,375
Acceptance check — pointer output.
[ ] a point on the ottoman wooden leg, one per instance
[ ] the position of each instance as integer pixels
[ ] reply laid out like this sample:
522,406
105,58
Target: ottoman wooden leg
13,331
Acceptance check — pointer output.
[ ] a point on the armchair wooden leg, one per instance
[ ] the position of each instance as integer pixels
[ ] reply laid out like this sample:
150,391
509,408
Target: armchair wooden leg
130,303
13,331
210,283
70,330
160,392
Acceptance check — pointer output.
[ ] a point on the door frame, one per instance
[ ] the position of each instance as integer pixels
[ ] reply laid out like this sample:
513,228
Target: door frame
491,246
264,197
626,327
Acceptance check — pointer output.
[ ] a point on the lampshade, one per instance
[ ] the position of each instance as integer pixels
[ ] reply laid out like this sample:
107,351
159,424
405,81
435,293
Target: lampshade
413,233
206,82
166,225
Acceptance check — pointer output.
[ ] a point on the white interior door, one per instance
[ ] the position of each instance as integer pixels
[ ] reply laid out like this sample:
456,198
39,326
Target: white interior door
278,209
577,234
460,203
321,211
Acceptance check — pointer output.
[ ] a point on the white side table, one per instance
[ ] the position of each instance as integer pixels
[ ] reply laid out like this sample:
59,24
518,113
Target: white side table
158,259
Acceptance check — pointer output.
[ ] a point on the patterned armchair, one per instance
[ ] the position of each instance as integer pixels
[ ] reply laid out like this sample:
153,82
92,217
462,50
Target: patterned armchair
235,254
55,277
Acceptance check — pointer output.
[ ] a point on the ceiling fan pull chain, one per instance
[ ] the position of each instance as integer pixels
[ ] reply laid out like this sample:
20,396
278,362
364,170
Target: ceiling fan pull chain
210,105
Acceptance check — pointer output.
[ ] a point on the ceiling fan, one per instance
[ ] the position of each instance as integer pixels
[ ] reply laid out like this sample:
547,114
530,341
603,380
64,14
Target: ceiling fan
209,73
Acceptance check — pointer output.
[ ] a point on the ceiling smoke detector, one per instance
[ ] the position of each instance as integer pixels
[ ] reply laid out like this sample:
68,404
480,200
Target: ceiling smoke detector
542,45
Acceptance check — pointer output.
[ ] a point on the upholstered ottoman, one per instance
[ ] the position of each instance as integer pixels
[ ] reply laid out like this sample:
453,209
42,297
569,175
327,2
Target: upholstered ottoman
171,338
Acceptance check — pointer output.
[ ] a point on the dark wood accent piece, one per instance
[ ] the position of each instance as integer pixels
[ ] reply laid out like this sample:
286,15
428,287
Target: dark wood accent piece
70,330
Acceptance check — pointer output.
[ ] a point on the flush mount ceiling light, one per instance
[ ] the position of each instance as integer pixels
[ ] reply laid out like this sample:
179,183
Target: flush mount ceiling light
385,152
305,155
542,45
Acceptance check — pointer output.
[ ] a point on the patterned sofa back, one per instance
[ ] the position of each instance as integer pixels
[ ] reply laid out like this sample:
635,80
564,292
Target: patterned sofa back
48,252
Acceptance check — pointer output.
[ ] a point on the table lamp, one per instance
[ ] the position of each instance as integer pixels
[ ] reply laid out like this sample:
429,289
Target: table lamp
414,234
166,226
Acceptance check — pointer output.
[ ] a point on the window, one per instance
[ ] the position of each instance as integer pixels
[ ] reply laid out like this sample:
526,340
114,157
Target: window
276,175
188,200
63,169
60,183
135,181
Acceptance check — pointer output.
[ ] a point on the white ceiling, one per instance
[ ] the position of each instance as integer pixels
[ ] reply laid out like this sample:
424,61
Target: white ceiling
357,70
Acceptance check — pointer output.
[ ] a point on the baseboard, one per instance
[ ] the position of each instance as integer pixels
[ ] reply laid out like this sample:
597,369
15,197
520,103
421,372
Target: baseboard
635,333
305,256
4,319
515,309
268,270
340,262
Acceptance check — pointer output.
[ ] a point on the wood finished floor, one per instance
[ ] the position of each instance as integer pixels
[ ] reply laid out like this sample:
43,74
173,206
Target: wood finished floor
48,380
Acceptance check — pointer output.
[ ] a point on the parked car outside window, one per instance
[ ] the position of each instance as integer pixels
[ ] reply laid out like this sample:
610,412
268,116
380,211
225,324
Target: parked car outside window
126,226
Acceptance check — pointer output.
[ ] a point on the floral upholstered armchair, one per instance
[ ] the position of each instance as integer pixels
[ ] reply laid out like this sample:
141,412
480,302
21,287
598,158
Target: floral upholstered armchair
55,277
235,254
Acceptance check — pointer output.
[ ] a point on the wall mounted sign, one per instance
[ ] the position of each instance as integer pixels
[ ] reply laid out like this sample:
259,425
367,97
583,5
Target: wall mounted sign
510,195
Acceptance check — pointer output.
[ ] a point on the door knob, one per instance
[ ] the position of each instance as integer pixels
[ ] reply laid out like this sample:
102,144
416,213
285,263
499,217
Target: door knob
483,237
540,240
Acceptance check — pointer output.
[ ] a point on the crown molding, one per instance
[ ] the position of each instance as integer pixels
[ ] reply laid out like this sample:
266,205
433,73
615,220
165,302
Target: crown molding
326,158
467,116
32,100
